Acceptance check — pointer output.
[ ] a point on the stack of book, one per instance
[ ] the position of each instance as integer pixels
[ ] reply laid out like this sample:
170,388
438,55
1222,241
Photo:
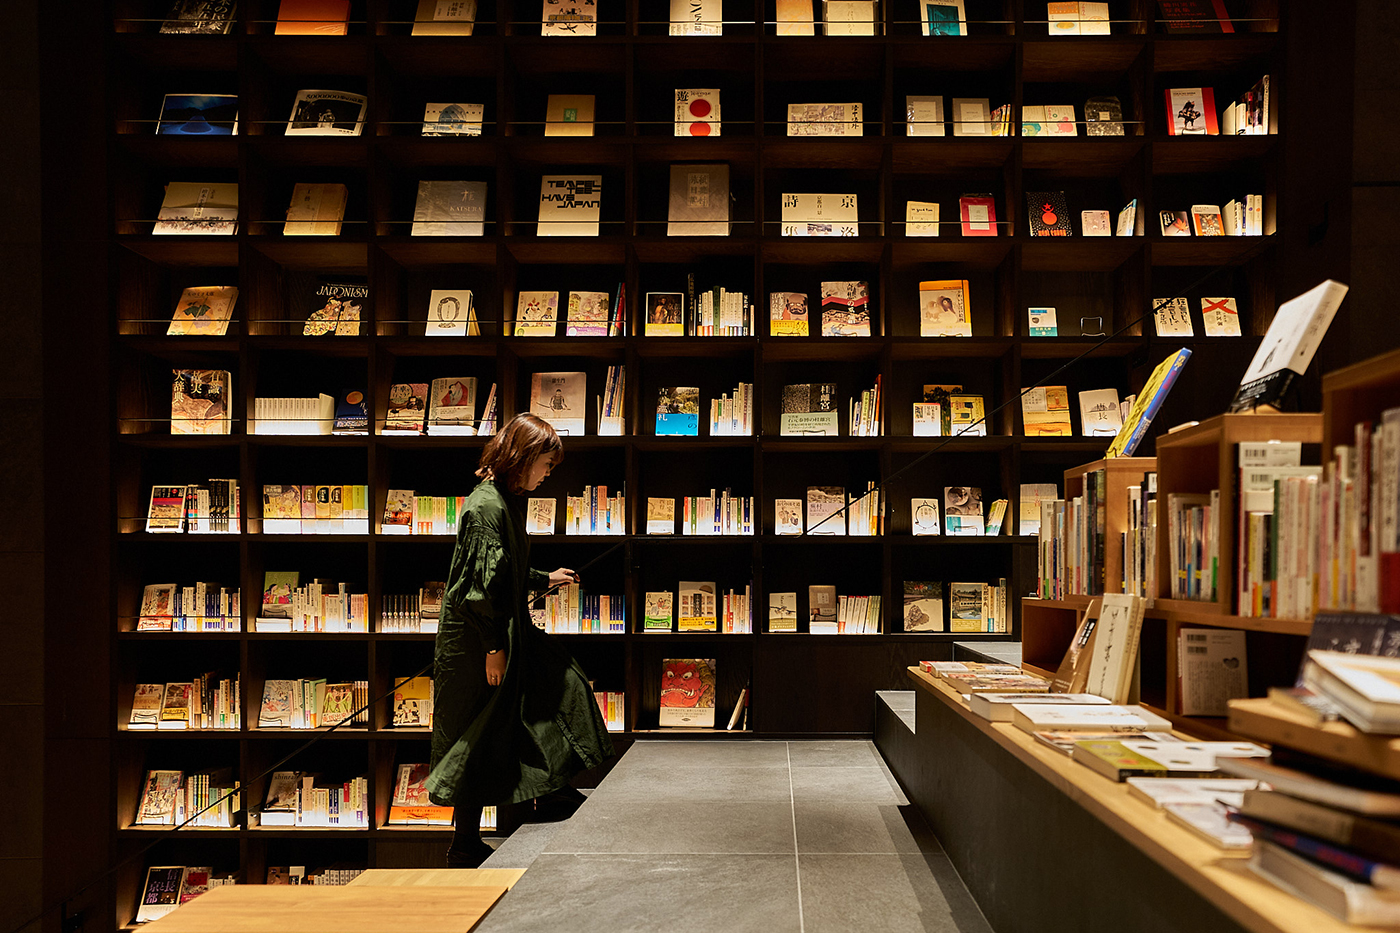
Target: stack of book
205,799
294,798
731,415
570,611
1072,531
595,512
199,607
407,513
206,702
213,507
313,704
612,704
293,415
414,612
319,606
315,510
1140,540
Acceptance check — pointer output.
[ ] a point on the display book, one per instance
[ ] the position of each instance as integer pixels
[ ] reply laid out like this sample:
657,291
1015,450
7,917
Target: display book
304,799
409,805
408,513
318,606
168,886
698,606
571,611
195,607
211,507
722,512
315,509
206,799
972,607
313,704
205,702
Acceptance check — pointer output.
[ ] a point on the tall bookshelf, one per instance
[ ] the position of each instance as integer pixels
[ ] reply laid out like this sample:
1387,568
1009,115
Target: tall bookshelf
802,684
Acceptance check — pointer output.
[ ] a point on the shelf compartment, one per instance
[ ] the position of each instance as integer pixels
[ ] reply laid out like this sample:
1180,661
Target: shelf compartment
1067,61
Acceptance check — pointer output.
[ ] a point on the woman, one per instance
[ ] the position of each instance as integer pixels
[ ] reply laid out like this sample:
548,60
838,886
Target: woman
513,715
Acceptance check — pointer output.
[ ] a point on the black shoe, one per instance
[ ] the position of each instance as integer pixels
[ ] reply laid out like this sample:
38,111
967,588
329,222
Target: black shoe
471,857
558,806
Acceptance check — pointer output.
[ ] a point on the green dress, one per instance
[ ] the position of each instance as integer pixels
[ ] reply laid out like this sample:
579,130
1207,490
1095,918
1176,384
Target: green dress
528,736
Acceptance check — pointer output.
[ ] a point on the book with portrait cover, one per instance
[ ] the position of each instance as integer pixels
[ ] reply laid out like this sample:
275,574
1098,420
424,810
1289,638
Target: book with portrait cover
198,115
200,401
687,692
537,314
452,406
665,313
560,399
327,113
203,311
408,403
945,309
923,606
787,314
678,411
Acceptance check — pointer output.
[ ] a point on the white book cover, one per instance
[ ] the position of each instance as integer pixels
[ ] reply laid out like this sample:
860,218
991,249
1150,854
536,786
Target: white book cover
1076,18
1162,791
452,406
825,119
1084,718
923,517
1297,329
453,119
661,516
1193,756
539,516
1059,120
924,115
971,116
820,215
1033,120
1213,670
327,113
570,205
943,18
1095,223
1172,317
1221,317
921,218
1000,707
1028,511
537,314
1100,414
449,208
928,419
850,17
697,17
697,111
560,399
198,209
1211,820
568,18
826,513
1116,639
787,516
450,314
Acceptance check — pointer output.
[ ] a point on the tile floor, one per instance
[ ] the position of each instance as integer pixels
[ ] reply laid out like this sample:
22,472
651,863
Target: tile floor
772,837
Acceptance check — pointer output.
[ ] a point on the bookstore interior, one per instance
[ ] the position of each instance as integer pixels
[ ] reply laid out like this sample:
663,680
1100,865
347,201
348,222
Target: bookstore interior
1029,297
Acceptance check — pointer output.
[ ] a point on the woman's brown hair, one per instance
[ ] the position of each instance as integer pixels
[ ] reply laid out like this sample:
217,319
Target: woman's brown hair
509,454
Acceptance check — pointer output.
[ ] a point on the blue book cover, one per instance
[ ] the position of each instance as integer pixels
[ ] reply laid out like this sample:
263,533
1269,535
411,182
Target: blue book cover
1148,403
678,411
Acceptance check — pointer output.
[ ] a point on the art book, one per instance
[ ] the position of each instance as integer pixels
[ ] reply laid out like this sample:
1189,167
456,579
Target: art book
413,702
1206,220
845,309
568,18
1048,213
787,314
665,314
587,314
942,395
198,115
1103,116
699,200
826,510
449,208
1221,317
782,612
943,18
678,411
697,111
198,209
453,119
452,406
327,113
809,408
820,215
967,415
825,119
199,17
695,607
203,311
923,606
1045,411
687,693
965,607
408,403
451,314
1100,414
1175,223
200,401
661,516
539,516
658,611
921,218
337,307
570,205
923,115
787,516
923,517
537,314
1191,111
945,309
444,18
978,213
1042,323
962,510
1172,317
560,399
1095,223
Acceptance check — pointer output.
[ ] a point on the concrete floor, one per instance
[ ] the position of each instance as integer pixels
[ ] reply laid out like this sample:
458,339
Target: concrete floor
731,836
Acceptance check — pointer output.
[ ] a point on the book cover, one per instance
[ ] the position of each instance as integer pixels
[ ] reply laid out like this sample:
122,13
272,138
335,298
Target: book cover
452,406
351,414
820,215
687,693
787,314
1048,214
923,115
665,314
198,115
313,18
560,399
327,113
921,218
695,607
1212,669
1128,220
942,396
1191,111
1175,223
200,401
978,213
928,419
316,210
697,17
923,606
1103,116
566,18
451,314
826,510
794,18
945,308
699,201
539,516
570,205
697,112
1077,18
1147,403
1172,317
407,409
809,408
962,510
967,415
444,18
1059,121
1028,510
782,612
678,411
1116,638
198,209
1041,322
1198,16
537,314
923,517
1095,223
1297,329
145,702
1221,317
1206,220
661,516
1100,413
334,307
1045,411
965,607
453,119
845,309
199,17
657,611
587,314
203,311
161,893
787,516
849,17
413,702
971,116
569,115
943,18
821,610
449,208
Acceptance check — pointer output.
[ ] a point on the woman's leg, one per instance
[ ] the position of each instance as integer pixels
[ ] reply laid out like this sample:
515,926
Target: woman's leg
467,849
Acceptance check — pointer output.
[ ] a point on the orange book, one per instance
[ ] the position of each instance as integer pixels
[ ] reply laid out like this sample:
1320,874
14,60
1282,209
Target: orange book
313,17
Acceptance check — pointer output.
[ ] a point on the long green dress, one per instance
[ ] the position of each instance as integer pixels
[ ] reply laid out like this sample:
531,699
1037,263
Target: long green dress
528,736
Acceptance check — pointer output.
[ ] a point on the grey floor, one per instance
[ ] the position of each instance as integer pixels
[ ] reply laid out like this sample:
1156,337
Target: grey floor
737,836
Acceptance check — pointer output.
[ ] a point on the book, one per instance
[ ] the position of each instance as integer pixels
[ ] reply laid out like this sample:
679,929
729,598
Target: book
665,314
203,311
539,516
1369,838
1028,509
1381,874
198,115
787,314
1175,223
452,406
921,218
199,17
825,119
200,401
996,517
962,510
1287,349
941,395
923,517
570,204
928,419
966,415
161,893
410,803
1045,411
845,309
657,614
564,18
569,115
821,610
537,314
1103,116
1077,18
587,314
826,510
1041,322
1137,757
145,702
1048,214
1221,317
1057,120
1191,111
560,399
687,695
351,415
407,409
678,411
1000,707
697,112
923,606
312,18
697,17
413,702
449,208
335,307
1365,687
1080,717
327,113
945,309
923,115
1354,792
699,200
1199,16
159,798
1350,901
661,516
849,17
1161,791
978,213
1116,639
943,18
966,607
1128,220
451,314
1100,413
782,612
316,210
794,18
444,18
820,215
1212,669
1146,405
453,119
1095,223
809,408
695,607
198,209
971,116
787,516
1206,221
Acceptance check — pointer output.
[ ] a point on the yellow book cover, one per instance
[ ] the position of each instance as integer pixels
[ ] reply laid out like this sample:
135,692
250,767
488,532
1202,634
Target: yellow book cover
569,115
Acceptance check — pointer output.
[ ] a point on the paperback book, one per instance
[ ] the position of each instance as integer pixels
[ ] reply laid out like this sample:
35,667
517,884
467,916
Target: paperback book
198,115
203,311
451,313
945,309
449,208
687,696
537,314
327,113
845,309
560,399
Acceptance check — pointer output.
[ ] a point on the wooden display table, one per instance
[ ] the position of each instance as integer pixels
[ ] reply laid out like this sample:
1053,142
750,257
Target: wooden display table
436,877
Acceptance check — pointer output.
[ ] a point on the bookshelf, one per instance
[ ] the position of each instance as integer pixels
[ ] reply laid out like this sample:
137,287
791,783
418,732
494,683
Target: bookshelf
1098,285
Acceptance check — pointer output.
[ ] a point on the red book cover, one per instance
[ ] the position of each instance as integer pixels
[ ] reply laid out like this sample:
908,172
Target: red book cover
1191,112
979,215
313,17
1195,16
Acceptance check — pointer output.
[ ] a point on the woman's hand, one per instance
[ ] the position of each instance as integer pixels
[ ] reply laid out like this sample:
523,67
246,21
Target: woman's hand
495,667
563,575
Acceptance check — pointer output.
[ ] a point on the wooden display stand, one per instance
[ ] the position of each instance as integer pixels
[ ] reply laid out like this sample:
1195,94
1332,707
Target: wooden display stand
271,908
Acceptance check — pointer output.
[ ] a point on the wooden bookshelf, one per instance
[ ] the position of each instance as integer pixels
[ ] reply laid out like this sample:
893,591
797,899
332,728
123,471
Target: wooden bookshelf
1264,720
